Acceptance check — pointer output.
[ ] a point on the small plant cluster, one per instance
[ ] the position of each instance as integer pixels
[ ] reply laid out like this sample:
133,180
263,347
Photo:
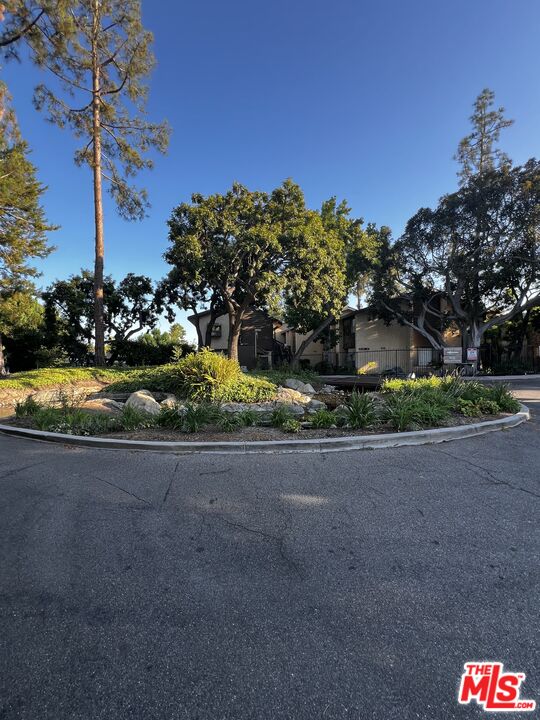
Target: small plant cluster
429,402
190,418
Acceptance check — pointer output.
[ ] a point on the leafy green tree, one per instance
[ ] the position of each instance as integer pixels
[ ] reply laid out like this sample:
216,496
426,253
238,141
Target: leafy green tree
23,226
333,259
236,249
128,308
98,55
472,262
186,288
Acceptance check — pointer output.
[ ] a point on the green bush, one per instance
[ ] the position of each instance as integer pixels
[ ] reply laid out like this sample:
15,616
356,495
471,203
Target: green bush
248,390
502,395
291,426
360,411
27,407
280,416
198,415
133,419
170,418
322,419
229,422
401,412
206,375
247,418
74,422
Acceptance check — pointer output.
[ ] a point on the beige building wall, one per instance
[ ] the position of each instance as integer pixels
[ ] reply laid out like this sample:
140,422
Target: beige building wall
314,351
373,334
218,343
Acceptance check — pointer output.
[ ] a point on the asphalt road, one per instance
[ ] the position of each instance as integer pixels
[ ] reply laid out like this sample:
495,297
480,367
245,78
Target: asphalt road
344,585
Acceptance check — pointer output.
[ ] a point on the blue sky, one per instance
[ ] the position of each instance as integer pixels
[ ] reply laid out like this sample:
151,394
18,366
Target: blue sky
363,100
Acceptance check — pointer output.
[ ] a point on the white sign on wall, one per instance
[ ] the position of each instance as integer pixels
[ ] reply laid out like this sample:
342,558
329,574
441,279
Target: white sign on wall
452,355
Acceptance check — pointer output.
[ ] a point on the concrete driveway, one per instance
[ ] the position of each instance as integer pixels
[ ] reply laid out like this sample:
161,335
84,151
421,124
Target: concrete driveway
348,585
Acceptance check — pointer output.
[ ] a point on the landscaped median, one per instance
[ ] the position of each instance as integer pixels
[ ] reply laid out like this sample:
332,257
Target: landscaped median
205,398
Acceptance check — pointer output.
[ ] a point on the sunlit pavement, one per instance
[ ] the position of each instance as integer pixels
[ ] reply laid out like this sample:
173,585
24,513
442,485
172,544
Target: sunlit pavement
343,585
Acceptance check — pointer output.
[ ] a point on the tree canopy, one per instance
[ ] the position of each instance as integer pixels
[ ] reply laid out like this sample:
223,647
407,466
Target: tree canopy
473,261
98,56
129,309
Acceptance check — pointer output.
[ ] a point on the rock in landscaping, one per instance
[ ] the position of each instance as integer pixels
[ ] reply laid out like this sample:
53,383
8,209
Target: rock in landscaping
289,395
102,405
293,408
341,410
302,387
170,403
143,401
328,389
315,405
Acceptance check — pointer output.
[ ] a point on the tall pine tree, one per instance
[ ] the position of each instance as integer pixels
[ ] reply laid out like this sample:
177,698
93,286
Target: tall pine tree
23,226
99,58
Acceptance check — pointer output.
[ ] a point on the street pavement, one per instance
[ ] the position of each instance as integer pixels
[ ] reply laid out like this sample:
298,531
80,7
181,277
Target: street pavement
304,586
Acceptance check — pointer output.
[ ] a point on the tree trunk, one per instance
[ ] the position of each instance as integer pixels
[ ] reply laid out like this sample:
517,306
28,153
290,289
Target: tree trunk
236,315
2,358
99,323
311,338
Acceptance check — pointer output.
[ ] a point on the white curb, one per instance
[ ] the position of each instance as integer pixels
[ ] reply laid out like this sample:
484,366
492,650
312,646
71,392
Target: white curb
338,444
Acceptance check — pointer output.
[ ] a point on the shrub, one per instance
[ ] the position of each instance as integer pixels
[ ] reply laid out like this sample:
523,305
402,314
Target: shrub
170,418
228,422
27,407
199,415
247,418
207,375
248,390
280,416
401,412
74,422
291,426
133,419
502,395
360,411
322,419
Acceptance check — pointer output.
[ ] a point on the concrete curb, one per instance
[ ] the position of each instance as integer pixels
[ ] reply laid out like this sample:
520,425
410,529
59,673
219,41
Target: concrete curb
341,444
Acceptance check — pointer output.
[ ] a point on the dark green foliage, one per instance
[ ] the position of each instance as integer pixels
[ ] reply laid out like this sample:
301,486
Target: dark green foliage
280,415
360,411
69,313
291,425
322,419
27,407
198,415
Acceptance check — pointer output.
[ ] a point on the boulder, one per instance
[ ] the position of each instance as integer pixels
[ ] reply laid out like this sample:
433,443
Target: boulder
341,410
143,401
102,405
302,387
293,408
315,405
328,389
169,403
289,395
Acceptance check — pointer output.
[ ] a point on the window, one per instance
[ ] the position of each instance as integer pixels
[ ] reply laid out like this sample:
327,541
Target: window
216,331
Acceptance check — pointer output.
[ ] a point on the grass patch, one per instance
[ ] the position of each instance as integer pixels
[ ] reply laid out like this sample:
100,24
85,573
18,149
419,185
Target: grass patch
47,377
